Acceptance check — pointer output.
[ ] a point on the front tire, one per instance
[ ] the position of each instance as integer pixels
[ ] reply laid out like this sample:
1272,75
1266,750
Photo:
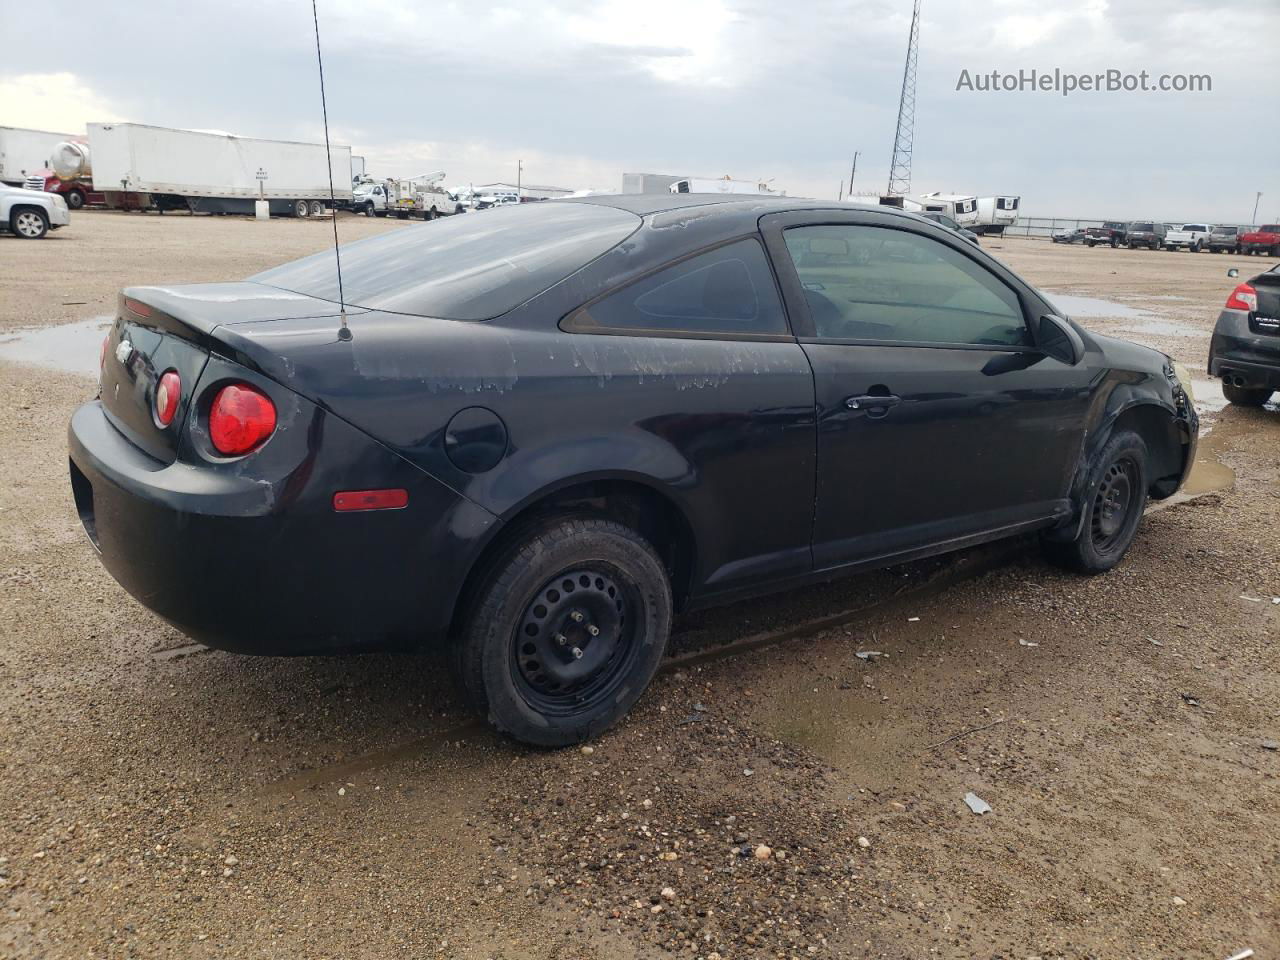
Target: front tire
1115,498
1245,396
75,199
566,630
29,223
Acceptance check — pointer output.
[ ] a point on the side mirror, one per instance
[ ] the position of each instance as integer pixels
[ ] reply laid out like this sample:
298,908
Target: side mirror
1058,339
1233,273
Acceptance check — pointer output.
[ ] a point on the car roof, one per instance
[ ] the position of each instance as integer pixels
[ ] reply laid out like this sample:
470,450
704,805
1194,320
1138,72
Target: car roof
730,205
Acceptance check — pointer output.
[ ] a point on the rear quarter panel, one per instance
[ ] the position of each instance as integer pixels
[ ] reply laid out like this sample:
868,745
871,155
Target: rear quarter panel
723,429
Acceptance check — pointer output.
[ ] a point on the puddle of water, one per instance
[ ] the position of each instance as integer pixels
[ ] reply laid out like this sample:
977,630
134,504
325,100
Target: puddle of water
1209,396
67,348
1077,307
1166,328
1208,475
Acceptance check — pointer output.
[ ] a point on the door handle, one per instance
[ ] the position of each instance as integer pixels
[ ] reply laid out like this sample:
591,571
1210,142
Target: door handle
871,401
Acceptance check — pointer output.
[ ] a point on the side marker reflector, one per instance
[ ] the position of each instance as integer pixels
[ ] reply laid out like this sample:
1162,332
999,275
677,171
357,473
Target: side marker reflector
348,500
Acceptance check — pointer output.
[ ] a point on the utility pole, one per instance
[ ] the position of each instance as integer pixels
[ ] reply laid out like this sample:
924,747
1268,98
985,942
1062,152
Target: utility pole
900,167
840,192
1256,201
854,170
519,173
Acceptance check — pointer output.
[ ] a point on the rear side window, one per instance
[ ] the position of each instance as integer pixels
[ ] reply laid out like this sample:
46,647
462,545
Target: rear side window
728,292
466,267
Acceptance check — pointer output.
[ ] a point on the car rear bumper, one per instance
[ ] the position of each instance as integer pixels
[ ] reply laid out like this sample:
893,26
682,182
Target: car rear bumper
266,566
1236,350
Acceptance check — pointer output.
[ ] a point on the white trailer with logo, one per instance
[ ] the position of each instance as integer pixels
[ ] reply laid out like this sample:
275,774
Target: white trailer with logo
207,172
960,208
995,214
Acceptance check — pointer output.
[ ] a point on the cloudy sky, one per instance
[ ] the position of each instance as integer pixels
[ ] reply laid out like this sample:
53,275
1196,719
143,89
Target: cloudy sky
582,91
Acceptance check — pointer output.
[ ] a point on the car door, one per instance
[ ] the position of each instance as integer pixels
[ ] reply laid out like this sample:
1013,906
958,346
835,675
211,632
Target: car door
938,419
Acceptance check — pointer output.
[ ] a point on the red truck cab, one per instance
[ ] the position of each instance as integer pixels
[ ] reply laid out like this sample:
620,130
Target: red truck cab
77,193
1264,240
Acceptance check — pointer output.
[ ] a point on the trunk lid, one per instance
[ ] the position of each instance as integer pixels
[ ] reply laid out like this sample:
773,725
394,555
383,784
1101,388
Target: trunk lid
1266,319
158,329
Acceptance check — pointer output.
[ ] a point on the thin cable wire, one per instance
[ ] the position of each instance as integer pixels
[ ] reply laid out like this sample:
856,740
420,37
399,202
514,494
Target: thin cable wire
333,204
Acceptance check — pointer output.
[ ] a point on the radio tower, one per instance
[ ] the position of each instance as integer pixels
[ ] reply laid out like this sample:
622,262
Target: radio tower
900,169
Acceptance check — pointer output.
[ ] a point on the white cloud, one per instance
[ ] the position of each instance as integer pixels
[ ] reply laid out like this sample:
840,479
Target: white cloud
57,102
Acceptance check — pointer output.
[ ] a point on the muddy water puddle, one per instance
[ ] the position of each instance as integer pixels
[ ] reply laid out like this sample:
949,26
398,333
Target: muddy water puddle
1076,306
1163,328
67,348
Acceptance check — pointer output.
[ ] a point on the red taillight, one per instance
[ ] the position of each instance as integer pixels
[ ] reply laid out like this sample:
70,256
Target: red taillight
168,393
348,500
241,418
1243,297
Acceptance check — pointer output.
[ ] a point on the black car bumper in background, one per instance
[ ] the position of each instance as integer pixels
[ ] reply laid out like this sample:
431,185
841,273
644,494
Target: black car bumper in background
266,565
1238,350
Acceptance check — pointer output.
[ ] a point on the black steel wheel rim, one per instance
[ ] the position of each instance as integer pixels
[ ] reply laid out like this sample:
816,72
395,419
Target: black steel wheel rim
1113,504
576,640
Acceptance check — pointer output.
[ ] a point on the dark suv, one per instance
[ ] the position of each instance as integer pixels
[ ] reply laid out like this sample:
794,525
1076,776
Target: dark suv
1144,233
1112,231
1226,238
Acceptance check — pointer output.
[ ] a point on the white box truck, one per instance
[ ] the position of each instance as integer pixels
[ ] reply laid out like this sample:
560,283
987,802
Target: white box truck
26,153
133,165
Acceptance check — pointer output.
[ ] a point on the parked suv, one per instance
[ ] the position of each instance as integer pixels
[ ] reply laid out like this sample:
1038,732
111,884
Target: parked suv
30,214
1144,233
1192,236
1226,238
1112,231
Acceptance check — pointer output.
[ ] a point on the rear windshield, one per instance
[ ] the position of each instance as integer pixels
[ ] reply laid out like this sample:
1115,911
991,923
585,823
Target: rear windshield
472,266
1142,226
1225,231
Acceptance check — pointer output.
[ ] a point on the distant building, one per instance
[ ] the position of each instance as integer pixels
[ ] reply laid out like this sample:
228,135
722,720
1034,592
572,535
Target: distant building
525,190
650,182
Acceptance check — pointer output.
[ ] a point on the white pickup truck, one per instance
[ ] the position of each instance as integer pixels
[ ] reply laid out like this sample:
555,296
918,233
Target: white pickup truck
1193,236
30,214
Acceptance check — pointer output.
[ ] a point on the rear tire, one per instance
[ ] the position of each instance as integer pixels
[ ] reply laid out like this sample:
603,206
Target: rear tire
301,208
317,208
1245,396
1115,498
528,656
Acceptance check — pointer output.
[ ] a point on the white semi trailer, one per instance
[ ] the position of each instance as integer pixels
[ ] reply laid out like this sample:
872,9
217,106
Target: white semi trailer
723,185
25,153
135,165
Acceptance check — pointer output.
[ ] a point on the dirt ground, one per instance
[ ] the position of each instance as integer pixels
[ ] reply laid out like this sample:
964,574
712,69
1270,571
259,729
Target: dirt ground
161,800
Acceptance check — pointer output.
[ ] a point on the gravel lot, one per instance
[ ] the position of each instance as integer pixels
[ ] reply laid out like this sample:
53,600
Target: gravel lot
773,796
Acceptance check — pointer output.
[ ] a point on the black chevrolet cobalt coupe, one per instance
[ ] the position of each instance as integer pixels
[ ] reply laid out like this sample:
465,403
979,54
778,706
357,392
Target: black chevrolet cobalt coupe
541,430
